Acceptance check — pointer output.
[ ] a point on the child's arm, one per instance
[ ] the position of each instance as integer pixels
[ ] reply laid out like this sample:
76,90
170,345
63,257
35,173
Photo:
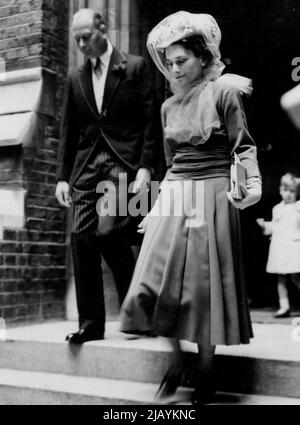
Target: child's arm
267,226
298,212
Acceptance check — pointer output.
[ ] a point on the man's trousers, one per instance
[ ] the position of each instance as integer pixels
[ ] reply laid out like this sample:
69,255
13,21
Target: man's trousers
87,246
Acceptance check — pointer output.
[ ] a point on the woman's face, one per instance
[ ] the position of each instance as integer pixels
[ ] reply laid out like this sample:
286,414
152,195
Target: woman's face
184,66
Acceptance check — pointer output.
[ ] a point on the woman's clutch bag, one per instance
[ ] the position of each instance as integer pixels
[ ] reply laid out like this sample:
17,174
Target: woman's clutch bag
237,176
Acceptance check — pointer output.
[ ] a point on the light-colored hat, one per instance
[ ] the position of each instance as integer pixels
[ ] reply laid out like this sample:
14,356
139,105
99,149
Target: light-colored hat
182,25
196,114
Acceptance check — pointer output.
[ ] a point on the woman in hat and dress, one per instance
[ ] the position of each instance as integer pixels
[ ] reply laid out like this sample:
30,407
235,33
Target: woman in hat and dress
188,282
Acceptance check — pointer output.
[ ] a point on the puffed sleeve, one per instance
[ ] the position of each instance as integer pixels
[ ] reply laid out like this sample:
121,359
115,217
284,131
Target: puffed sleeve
240,140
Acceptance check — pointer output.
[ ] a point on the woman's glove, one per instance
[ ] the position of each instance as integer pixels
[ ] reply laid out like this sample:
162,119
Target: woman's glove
142,227
156,209
251,194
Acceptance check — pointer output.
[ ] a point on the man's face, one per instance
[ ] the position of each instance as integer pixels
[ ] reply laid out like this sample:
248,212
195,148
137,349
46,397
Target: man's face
90,40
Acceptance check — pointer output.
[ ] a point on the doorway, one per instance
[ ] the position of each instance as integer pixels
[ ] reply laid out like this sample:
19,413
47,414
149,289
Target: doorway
259,40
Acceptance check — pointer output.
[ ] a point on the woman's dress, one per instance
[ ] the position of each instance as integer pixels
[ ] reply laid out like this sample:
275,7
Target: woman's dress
188,281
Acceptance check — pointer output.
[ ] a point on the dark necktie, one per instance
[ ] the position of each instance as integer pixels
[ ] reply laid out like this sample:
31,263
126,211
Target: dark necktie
97,68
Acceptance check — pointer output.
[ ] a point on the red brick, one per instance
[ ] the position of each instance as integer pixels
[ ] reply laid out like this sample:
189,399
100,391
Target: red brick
40,260
23,18
20,41
10,260
10,247
33,260
24,30
10,235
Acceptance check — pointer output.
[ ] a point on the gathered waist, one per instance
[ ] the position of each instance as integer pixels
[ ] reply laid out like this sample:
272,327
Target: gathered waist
193,164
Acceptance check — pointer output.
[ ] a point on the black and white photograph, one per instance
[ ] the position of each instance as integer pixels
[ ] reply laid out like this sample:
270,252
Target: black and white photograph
149,205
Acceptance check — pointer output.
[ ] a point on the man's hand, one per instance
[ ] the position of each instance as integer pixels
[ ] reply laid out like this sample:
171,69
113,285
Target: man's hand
142,180
62,194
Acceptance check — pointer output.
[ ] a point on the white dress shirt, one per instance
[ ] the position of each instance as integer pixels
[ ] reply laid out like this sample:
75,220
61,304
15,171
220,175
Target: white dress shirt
99,82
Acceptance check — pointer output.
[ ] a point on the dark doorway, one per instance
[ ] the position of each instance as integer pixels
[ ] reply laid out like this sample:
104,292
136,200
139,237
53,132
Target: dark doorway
260,38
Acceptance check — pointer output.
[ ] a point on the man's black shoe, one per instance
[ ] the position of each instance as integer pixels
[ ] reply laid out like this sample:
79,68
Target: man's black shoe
84,335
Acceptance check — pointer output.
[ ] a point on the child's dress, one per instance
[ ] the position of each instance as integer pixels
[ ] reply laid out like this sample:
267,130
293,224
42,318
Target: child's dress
284,252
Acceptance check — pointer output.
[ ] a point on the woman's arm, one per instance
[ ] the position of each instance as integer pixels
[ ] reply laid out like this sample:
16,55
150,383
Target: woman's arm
240,140
169,160
241,143
167,149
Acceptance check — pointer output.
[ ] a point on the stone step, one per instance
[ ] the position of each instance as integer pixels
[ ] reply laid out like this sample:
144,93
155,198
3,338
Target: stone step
23,387
106,359
40,388
253,369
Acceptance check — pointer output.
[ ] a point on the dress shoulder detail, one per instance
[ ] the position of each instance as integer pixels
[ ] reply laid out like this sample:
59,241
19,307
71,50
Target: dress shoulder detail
167,103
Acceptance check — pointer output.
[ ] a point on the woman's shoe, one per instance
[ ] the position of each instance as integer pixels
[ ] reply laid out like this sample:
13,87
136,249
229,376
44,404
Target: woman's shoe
281,313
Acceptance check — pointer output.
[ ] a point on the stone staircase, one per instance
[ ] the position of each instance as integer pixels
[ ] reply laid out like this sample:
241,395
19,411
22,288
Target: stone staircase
38,367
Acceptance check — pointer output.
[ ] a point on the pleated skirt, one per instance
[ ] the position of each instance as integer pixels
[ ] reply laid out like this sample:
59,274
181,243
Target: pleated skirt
188,281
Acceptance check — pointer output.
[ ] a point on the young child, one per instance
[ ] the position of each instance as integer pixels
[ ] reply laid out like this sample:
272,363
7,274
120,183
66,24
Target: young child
284,251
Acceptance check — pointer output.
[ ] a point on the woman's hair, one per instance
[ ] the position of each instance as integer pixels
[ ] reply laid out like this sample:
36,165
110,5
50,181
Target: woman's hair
289,180
198,46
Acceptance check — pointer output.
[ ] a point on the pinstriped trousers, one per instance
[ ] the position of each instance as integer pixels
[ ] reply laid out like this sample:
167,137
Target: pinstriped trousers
87,246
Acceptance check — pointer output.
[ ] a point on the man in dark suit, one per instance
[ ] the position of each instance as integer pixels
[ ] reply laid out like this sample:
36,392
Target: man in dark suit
106,132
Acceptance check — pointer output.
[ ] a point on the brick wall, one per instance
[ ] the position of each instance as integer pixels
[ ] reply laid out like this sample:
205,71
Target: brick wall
21,35
33,260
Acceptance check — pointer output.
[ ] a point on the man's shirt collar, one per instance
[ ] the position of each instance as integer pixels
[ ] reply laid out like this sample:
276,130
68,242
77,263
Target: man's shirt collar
105,57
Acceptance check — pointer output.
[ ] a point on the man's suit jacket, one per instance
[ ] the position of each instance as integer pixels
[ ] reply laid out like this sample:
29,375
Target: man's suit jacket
126,122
